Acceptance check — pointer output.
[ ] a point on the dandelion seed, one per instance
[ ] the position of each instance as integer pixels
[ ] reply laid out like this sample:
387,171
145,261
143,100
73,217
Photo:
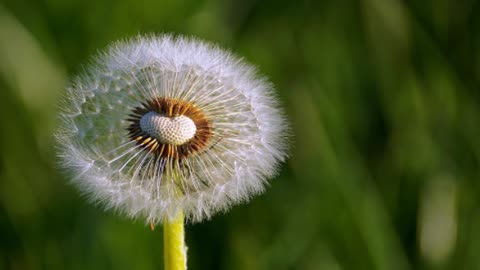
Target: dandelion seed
160,125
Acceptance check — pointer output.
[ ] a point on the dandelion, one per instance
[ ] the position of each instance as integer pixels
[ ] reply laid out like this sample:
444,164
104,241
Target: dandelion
164,128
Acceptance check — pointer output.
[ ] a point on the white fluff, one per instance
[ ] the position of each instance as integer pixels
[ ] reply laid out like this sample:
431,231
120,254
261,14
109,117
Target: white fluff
250,130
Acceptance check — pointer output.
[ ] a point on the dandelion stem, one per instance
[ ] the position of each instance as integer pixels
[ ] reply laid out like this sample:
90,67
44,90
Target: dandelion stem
175,252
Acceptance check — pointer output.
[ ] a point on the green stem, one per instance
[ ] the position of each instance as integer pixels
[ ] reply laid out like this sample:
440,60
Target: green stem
175,252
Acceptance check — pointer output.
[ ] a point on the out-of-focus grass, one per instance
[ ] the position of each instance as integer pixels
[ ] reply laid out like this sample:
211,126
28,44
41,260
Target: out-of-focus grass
383,96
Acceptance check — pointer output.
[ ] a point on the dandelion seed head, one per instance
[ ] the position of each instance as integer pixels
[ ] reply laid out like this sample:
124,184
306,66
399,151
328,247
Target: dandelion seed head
160,124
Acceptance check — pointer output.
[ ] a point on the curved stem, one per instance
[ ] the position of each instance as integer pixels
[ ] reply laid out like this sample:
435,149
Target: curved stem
175,252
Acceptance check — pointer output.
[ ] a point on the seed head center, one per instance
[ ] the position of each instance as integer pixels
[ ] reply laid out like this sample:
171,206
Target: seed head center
168,130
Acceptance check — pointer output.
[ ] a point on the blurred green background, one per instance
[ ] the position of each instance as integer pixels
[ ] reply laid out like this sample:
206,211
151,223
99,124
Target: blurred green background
383,96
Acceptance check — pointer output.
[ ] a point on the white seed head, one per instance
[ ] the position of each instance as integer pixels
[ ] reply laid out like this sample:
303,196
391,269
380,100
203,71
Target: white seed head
169,130
160,124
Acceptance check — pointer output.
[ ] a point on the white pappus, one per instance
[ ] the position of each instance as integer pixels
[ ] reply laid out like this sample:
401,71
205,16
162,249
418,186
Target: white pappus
159,124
